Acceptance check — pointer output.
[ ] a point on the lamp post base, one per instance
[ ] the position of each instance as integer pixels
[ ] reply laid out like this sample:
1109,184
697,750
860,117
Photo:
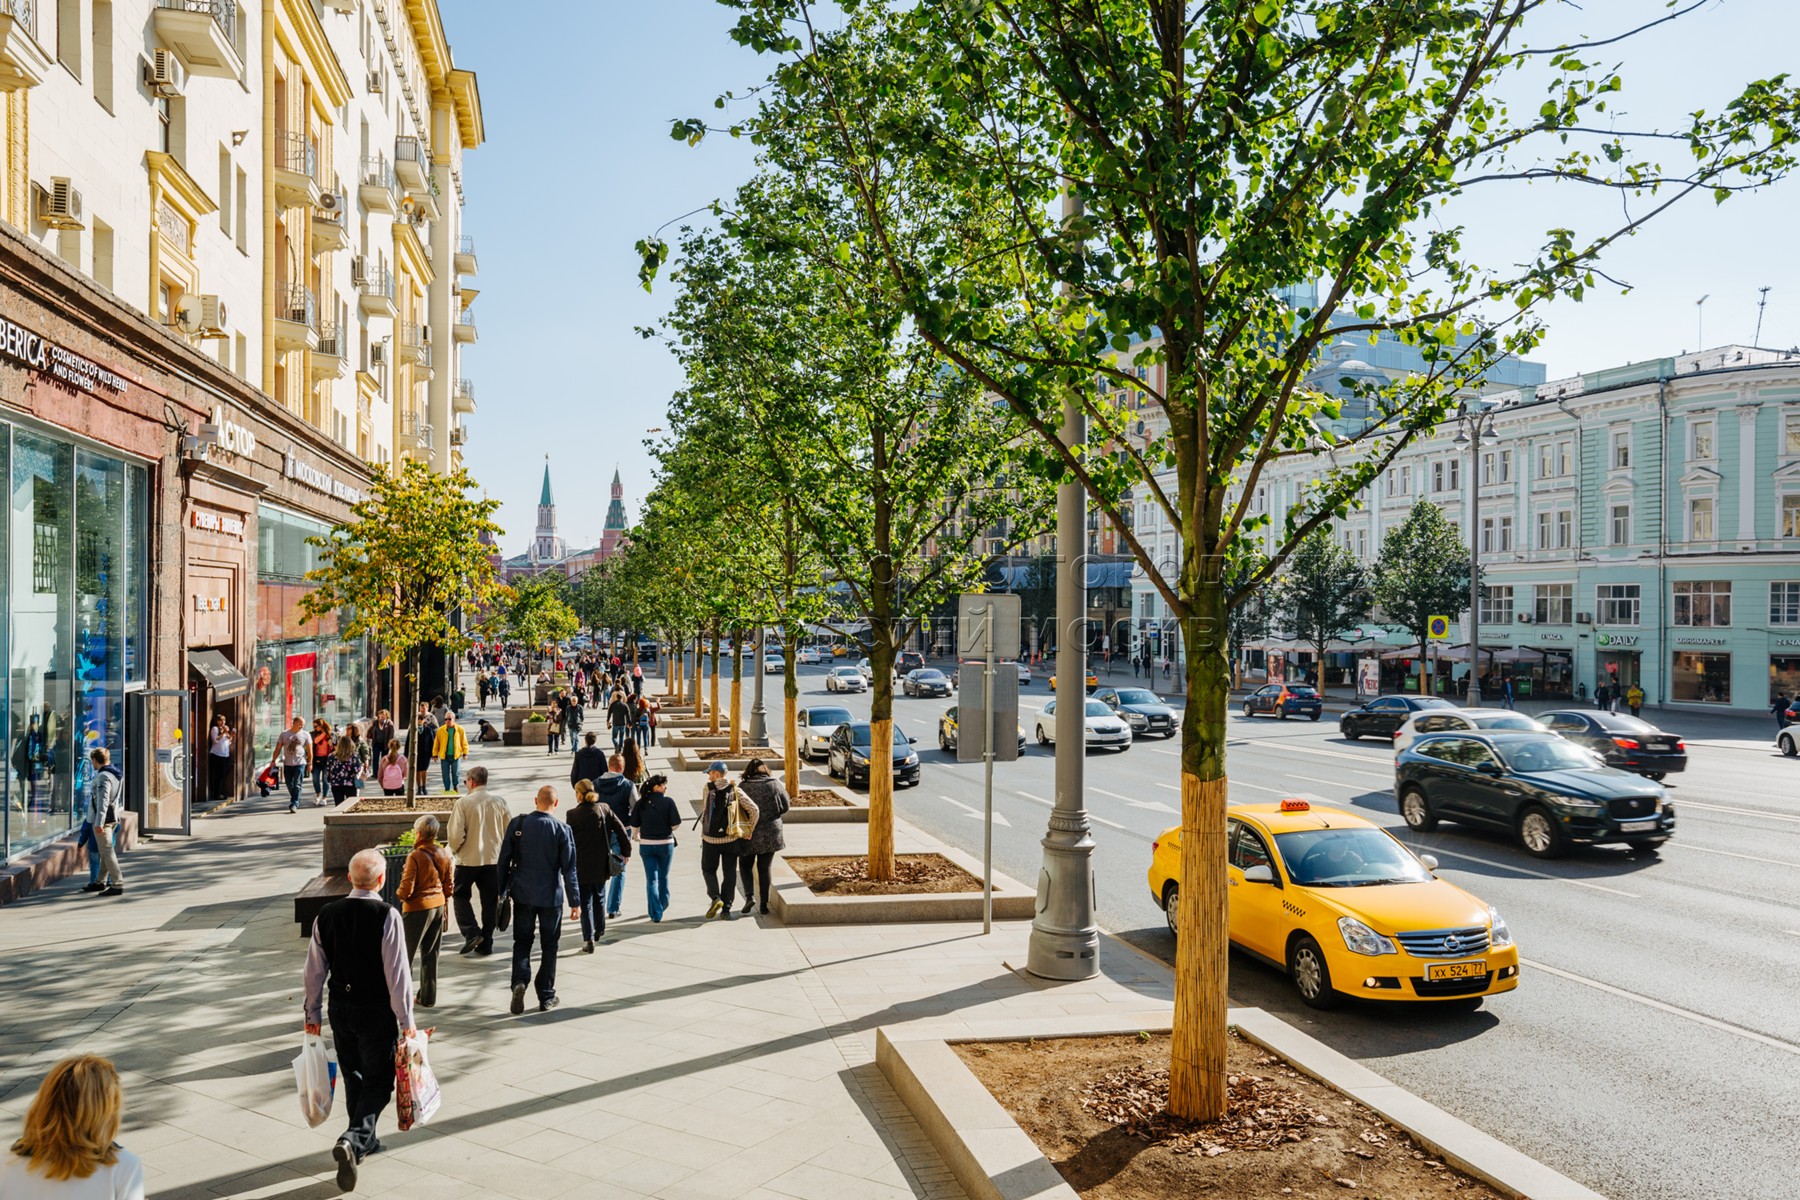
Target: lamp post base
1065,941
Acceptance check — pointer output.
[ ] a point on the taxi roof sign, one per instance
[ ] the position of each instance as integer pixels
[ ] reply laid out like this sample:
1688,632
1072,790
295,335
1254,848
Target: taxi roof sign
1295,806
1437,628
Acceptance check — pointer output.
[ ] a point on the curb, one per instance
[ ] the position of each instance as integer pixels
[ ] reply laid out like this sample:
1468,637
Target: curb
795,904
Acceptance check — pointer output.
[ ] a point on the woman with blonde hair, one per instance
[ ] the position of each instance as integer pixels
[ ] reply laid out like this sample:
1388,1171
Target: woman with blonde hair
67,1150
426,884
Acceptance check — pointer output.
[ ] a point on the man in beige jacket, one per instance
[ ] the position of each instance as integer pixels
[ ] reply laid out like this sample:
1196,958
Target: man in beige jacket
477,826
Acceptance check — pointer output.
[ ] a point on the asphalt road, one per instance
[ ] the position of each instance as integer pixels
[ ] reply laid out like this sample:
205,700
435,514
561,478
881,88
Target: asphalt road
1652,1049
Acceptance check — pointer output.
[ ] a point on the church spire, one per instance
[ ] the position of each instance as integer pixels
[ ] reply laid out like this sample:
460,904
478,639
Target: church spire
544,497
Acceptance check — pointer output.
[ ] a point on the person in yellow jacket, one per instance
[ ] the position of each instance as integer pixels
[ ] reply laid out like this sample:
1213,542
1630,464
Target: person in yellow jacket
450,747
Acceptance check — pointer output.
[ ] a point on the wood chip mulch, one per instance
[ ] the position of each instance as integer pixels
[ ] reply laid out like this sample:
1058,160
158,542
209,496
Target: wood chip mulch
1261,1114
424,804
819,798
914,874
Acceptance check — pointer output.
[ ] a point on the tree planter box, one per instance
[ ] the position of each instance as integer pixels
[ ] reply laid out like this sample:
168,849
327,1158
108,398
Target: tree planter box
347,831
856,812
517,715
534,733
695,739
795,904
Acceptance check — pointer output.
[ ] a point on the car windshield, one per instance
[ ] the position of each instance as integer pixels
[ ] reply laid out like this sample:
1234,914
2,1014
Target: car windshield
929,676
860,735
1138,696
846,672
1347,858
1505,721
1301,690
828,716
1550,754
1097,708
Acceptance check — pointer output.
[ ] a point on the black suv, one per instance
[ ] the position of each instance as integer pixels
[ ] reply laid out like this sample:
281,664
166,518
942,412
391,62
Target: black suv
1543,789
1383,716
906,662
1622,740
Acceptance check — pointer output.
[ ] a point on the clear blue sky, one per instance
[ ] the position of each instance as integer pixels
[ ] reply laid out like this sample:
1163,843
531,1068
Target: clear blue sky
578,165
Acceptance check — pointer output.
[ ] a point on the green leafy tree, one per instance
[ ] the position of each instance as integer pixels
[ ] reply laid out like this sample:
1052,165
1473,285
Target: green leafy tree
538,614
1063,191
1422,572
1323,593
410,557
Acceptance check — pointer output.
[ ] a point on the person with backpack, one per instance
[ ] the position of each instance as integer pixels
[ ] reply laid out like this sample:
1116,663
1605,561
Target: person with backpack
655,820
390,773
602,846
726,818
105,809
757,855
617,793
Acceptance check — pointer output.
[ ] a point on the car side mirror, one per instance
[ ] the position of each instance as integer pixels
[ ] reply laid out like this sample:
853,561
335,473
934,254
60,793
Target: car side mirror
1259,874
912,741
1428,861
1491,769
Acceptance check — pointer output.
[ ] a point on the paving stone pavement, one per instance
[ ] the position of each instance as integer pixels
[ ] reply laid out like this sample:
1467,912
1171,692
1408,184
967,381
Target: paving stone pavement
691,1058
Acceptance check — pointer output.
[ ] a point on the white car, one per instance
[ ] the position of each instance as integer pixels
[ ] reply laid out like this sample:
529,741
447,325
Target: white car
816,727
1440,720
867,672
774,664
1104,727
845,679
808,656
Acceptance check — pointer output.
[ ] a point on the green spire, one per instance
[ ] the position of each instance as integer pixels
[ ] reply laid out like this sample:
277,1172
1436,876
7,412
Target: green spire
545,499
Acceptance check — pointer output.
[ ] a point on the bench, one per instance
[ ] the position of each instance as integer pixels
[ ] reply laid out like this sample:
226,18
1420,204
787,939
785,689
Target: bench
319,891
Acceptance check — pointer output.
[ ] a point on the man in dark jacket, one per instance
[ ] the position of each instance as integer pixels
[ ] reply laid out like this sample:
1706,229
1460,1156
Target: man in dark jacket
590,761
537,869
619,794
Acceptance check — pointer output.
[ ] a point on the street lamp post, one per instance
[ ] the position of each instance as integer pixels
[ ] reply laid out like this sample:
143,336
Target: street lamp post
759,724
1470,436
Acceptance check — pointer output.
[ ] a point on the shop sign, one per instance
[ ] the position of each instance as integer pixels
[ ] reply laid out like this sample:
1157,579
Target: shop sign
320,481
209,604
233,438
214,521
1557,637
64,366
1617,639
1701,641
1788,641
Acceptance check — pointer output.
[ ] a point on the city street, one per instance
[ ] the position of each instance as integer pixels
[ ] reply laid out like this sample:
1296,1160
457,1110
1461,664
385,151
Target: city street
1651,1048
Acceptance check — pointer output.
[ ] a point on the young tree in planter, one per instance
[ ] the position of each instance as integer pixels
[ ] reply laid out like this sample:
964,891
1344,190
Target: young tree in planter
1422,572
1210,157
1323,594
538,615
410,556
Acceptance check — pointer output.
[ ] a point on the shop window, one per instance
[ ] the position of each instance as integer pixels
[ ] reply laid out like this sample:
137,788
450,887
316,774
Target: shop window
1700,678
1784,603
101,614
1616,604
40,708
1554,603
1790,516
1702,603
1700,519
1497,605
1784,676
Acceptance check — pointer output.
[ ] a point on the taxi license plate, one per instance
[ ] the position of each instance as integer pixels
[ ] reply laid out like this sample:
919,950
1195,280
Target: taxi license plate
1636,826
1461,970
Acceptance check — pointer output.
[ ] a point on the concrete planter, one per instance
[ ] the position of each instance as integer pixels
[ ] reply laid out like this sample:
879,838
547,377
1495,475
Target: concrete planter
534,733
795,904
347,830
854,813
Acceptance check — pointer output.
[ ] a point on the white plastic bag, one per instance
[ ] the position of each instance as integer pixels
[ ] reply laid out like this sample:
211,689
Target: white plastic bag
416,1090
315,1076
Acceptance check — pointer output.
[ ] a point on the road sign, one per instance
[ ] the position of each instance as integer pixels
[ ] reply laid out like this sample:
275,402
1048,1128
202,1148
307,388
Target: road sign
970,704
978,614
1437,628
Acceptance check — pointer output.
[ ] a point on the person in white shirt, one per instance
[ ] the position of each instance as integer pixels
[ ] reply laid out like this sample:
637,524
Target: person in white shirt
67,1149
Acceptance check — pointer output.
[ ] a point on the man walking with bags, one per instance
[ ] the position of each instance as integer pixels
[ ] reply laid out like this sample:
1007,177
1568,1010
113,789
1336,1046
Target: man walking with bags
537,869
727,817
477,825
359,951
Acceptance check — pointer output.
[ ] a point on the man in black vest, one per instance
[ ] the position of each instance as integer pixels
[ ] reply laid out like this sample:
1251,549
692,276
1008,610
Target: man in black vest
537,869
359,945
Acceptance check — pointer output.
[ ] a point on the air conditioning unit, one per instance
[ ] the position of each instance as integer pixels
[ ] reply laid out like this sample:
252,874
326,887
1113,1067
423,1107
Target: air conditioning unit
374,82
1523,618
359,269
331,202
59,205
378,354
164,75
205,316
1584,618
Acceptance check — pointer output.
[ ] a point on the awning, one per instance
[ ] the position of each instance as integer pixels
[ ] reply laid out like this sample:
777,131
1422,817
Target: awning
225,680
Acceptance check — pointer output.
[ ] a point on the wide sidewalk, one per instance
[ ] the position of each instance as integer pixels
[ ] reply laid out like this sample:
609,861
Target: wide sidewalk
690,1058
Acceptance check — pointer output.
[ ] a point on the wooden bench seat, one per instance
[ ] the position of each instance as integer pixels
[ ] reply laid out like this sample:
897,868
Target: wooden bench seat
319,891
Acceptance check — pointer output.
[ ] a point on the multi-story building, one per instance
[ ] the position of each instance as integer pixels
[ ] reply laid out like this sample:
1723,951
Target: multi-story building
1639,525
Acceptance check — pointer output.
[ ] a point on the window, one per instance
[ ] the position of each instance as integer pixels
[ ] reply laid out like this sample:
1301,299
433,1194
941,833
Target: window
1555,529
1554,603
1497,605
1790,433
103,53
1619,534
1496,535
1700,519
1700,440
1496,467
224,190
1446,475
1554,461
1621,449
1700,678
103,254
243,211
68,35
1784,603
1247,850
1790,516
1616,604
1703,603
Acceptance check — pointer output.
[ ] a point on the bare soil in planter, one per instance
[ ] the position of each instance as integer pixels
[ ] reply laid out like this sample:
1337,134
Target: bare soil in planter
1095,1107
818,798
914,874
424,804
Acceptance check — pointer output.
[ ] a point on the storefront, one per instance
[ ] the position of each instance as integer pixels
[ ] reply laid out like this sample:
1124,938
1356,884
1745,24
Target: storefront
1784,668
1699,671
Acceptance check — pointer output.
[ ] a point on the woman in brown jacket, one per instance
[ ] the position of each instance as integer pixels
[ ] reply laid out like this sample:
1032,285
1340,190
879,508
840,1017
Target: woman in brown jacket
426,884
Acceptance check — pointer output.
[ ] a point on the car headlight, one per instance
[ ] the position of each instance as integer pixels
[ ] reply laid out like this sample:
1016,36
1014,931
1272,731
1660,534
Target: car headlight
1136,720
1360,939
858,756
1579,806
1499,934
912,760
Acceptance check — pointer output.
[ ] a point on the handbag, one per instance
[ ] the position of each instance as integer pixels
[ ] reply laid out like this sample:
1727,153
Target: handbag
503,915
417,1096
315,1077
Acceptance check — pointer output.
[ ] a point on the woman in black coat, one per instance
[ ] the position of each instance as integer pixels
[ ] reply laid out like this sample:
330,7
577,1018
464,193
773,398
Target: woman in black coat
771,800
599,834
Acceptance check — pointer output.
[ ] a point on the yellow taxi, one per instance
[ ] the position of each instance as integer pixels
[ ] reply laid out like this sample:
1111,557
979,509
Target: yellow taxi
1093,681
1346,909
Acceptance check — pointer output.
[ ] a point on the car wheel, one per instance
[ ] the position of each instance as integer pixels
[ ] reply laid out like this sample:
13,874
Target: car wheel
1788,747
1317,715
1416,811
1248,711
1282,713
1656,775
1312,978
1647,845
943,742
1042,740
831,766
1171,902
1538,833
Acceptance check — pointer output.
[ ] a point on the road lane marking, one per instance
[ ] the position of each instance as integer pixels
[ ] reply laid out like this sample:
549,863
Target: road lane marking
1152,805
999,818
1774,862
1488,862
1746,812
1097,820
1687,1014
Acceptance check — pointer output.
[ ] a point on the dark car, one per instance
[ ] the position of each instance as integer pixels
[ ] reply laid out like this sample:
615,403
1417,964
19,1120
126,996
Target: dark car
1383,716
1143,710
1623,741
848,755
926,682
1285,700
1545,790
908,661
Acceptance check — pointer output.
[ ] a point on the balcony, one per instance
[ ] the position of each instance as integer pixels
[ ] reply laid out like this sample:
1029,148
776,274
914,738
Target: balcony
331,356
462,399
296,171
465,256
202,33
23,63
377,188
414,346
375,292
329,226
411,167
464,329
416,433
459,435
425,203
296,319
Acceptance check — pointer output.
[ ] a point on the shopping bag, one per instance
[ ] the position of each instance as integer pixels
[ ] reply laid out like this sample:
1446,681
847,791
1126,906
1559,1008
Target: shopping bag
416,1094
315,1077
